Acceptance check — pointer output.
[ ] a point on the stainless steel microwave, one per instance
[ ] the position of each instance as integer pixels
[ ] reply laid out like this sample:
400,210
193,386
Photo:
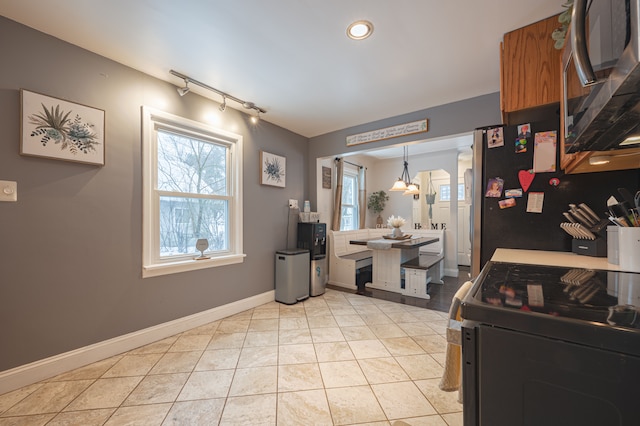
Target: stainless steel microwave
601,72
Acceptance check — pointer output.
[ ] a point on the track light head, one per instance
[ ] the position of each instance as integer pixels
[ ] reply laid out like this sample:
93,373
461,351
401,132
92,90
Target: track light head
223,105
249,105
184,90
255,118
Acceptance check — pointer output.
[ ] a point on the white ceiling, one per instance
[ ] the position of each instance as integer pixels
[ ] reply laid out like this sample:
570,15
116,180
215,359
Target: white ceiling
292,57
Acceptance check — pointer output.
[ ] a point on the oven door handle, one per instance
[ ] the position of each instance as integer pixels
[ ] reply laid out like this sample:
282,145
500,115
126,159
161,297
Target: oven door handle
579,44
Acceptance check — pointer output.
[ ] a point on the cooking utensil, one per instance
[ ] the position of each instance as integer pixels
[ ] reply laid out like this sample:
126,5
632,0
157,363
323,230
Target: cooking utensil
566,227
577,230
569,217
580,217
626,195
591,213
590,235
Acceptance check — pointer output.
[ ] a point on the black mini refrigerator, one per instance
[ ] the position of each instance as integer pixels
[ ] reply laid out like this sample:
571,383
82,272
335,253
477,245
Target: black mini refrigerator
313,237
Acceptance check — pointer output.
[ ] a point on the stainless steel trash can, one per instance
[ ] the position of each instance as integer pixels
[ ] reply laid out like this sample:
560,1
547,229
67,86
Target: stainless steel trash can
318,280
292,275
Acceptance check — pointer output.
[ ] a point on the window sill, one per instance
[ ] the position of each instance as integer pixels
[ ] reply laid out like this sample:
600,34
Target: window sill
190,265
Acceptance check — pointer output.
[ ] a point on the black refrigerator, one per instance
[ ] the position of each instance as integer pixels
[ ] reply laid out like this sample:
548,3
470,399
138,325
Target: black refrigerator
499,221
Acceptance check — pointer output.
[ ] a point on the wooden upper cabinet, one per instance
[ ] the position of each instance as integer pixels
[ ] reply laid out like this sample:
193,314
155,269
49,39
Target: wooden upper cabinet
529,67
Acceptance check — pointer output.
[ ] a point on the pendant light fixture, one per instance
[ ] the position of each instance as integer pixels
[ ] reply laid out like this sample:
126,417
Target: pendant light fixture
404,179
412,189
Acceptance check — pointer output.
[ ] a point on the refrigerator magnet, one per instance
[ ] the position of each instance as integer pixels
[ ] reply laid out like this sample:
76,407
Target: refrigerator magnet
495,137
526,177
521,145
534,202
494,188
544,152
506,203
513,193
524,131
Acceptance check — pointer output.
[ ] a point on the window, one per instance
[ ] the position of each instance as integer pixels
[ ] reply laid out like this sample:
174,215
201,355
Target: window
192,187
349,217
445,192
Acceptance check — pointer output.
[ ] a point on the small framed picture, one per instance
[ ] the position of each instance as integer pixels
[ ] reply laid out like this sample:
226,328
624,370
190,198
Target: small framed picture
273,169
62,130
495,137
494,188
524,131
326,177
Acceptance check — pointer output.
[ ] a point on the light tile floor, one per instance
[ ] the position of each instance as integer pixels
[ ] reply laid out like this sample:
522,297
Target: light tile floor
334,359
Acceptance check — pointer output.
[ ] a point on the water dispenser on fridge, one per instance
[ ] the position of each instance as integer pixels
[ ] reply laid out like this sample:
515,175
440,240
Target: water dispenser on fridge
313,237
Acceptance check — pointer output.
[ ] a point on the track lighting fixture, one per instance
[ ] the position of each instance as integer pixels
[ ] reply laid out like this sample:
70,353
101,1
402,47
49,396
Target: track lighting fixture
255,118
247,105
184,90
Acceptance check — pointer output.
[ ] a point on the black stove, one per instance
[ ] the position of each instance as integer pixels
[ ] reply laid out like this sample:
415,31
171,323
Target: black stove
553,346
593,307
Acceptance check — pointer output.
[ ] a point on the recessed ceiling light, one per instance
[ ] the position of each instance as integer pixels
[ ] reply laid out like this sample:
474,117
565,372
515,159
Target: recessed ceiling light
360,30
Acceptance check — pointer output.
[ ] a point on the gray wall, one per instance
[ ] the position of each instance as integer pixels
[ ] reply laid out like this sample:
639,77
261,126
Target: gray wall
71,247
444,120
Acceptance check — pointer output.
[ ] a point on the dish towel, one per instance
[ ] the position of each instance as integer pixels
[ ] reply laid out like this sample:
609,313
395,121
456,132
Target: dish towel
451,378
380,244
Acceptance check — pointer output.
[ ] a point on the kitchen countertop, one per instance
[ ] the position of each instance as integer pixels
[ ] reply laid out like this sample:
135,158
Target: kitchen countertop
552,258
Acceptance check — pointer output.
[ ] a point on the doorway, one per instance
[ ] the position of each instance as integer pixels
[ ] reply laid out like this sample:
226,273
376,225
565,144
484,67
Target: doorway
432,208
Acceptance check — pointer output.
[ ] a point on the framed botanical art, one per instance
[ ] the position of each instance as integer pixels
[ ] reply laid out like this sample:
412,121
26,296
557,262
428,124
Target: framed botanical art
62,130
273,169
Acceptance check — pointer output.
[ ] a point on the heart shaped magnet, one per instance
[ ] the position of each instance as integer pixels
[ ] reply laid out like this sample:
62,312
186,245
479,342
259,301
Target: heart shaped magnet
526,177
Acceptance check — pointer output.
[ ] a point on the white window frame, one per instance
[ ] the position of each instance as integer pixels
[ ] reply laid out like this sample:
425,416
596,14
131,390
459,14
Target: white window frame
152,264
354,174
460,195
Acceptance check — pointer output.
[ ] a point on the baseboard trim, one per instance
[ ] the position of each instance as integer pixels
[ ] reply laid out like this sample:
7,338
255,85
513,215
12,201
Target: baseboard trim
43,369
342,285
451,272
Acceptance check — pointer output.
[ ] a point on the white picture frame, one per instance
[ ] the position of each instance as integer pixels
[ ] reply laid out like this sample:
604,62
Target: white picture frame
61,130
273,169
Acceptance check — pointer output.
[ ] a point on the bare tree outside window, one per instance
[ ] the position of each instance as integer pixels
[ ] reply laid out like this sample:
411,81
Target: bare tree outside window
193,189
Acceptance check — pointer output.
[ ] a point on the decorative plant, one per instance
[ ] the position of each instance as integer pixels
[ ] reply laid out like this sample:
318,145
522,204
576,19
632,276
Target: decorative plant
377,201
558,35
396,222
431,196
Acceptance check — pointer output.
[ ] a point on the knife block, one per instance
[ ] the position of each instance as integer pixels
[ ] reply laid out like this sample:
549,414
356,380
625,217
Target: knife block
594,248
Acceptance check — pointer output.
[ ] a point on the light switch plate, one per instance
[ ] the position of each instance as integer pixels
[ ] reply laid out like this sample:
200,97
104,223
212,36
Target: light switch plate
8,190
